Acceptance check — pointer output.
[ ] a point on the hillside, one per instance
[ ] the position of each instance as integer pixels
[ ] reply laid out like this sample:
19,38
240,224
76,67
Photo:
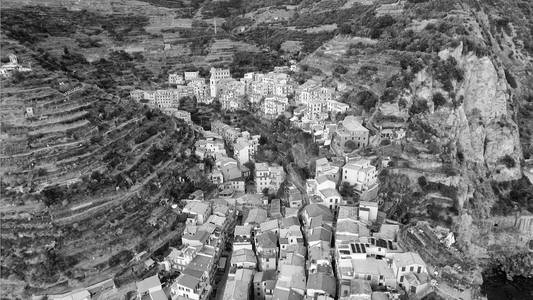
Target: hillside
85,180
90,165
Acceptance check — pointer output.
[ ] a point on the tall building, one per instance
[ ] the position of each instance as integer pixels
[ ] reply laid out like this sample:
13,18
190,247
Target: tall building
216,75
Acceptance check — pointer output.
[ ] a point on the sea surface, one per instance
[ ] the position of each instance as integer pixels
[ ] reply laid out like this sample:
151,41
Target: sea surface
496,286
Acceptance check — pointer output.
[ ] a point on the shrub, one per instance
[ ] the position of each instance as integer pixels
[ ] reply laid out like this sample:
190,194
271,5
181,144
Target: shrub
422,181
510,79
438,100
350,145
367,99
389,95
508,161
340,69
419,106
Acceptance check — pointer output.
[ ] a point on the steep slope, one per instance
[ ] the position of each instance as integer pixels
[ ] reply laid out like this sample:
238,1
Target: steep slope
83,175
457,76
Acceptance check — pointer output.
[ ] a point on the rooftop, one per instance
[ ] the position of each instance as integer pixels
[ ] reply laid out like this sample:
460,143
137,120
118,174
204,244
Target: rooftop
315,210
352,124
330,193
371,266
267,240
265,275
359,287
290,221
269,225
323,282
244,230
188,281
196,207
256,215
148,283
407,259
158,295
243,255
347,212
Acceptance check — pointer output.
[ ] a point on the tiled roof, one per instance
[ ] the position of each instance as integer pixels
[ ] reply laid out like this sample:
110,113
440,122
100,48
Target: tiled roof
148,283
267,240
188,281
323,282
315,210
408,258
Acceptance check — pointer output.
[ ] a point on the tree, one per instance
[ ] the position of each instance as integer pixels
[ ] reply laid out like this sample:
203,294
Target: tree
339,69
508,161
438,100
346,190
422,181
188,104
350,145
419,106
367,99
263,140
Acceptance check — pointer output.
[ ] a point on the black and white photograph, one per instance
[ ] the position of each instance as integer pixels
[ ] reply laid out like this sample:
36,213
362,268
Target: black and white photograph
266,149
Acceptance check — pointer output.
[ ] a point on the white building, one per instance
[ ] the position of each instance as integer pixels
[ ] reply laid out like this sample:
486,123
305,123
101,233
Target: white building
404,263
241,151
188,76
274,105
268,176
175,79
330,198
200,90
368,211
361,174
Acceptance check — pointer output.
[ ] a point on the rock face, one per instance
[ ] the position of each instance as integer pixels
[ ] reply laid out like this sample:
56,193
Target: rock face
481,126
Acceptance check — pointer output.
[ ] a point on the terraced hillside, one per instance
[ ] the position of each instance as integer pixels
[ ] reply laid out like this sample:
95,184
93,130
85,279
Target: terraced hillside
83,174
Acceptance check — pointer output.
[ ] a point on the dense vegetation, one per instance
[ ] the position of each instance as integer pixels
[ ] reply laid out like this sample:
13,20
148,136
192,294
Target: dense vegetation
244,62
33,24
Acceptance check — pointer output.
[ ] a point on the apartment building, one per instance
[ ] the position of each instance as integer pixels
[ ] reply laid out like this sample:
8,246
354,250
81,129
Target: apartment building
351,130
268,176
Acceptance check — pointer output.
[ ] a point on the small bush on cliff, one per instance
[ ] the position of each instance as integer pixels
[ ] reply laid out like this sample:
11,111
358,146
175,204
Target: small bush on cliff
418,107
508,161
438,100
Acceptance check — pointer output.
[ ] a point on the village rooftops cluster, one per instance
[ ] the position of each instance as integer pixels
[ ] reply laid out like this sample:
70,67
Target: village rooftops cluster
325,239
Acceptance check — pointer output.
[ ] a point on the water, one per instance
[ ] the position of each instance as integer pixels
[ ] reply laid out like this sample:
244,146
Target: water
496,286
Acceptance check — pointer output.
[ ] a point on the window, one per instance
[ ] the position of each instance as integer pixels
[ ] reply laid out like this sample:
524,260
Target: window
411,268
401,278
368,277
419,269
403,269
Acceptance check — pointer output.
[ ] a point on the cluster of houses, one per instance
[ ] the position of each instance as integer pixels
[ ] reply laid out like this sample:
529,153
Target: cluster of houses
313,103
230,173
293,249
6,70
310,243
198,259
